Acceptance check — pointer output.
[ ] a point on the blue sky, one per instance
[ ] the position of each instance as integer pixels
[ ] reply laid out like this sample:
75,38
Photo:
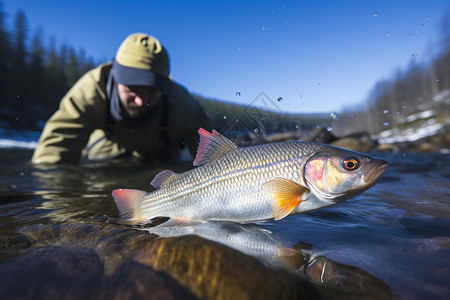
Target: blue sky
318,55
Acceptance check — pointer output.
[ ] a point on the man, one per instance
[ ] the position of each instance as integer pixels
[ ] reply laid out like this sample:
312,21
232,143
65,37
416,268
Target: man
130,107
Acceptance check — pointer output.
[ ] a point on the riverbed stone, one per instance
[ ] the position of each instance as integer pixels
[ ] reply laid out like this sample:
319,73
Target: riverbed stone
52,273
213,271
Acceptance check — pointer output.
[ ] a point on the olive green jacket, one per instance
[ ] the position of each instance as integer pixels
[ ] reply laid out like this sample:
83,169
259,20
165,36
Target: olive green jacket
80,125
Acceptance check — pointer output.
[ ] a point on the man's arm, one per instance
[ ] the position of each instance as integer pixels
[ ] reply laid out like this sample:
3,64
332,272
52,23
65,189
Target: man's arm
67,131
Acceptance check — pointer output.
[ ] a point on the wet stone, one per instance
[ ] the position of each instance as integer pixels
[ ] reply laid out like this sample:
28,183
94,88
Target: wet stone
133,280
92,261
52,273
212,271
353,144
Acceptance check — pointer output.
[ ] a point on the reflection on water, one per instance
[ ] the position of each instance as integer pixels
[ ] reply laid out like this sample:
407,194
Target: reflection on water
257,242
391,240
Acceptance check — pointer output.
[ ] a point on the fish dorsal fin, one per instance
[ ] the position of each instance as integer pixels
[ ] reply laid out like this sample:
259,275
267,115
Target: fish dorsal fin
212,146
287,195
163,178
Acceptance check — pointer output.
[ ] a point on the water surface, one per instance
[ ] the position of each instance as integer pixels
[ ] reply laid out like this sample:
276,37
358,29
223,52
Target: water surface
393,241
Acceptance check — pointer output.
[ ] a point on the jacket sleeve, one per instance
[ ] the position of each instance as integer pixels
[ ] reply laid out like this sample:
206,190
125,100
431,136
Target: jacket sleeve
67,132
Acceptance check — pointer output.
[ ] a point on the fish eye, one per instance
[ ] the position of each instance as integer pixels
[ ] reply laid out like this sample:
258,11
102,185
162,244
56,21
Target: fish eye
350,163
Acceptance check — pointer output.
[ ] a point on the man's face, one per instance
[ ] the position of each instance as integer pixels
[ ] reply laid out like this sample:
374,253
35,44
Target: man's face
138,101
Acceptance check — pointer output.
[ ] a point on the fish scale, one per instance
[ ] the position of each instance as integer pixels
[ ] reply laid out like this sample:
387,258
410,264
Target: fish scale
239,170
243,184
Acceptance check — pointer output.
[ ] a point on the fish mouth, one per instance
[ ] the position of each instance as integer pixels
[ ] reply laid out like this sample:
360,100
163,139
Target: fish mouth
375,173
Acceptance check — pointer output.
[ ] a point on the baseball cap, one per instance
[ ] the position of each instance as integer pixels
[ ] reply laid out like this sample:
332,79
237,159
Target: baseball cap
142,60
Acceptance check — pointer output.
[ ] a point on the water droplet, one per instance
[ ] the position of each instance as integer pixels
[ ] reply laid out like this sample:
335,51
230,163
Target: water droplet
404,155
224,117
17,118
375,14
236,121
420,99
386,111
437,80
296,126
280,99
351,115
238,94
21,173
334,116
387,34
386,123
403,106
428,17
411,35
256,130
398,113
423,25
330,128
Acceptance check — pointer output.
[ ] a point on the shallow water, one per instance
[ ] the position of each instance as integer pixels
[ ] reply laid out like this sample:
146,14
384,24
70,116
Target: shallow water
393,241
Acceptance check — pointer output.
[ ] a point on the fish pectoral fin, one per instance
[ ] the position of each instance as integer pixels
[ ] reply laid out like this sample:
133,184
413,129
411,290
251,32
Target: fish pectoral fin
211,147
163,177
287,195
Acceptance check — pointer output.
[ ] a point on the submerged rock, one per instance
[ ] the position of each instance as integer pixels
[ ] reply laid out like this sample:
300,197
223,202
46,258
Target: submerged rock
213,271
85,261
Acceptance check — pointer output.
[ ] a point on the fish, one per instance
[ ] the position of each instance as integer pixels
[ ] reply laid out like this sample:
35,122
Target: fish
254,183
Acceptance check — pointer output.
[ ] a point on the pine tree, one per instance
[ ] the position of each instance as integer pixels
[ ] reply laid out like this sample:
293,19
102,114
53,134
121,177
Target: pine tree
5,67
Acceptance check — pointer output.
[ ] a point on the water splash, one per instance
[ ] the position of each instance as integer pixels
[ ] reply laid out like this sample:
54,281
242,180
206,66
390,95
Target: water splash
334,116
238,94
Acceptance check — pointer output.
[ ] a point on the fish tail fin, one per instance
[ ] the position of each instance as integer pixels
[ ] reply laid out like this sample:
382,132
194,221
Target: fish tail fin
127,202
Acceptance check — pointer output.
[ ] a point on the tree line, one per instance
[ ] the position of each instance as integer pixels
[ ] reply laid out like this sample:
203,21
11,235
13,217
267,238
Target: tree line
33,76
416,88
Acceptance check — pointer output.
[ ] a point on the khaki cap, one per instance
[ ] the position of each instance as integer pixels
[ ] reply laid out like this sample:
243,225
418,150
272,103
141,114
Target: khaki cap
142,60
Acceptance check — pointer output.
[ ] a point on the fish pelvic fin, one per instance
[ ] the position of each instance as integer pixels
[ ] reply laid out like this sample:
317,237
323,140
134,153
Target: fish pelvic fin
163,178
212,146
287,195
127,203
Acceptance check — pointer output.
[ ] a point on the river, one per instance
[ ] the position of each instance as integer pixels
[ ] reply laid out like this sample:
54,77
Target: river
61,238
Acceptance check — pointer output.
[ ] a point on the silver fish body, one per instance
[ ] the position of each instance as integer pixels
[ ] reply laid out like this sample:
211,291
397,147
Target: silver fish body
246,184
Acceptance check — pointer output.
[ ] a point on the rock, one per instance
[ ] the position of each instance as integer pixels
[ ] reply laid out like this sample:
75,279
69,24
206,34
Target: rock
354,144
133,280
345,282
321,135
213,271
52,273
87,261
388,147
